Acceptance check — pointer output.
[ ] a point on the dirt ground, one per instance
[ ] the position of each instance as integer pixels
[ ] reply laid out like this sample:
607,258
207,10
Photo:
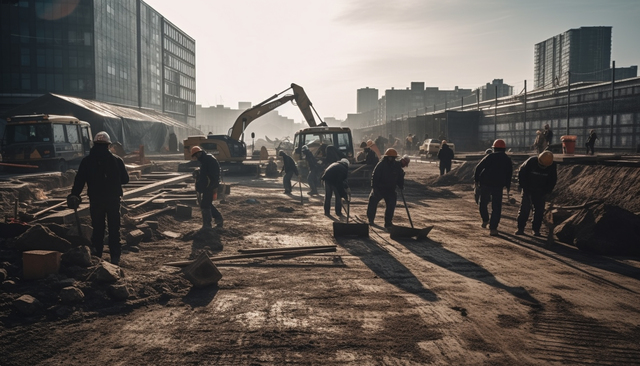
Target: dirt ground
460,297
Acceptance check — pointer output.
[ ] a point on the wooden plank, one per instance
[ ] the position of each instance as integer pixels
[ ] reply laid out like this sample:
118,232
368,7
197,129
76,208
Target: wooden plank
254,255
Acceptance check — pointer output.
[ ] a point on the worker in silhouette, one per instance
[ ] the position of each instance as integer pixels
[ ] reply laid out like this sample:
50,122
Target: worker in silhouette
492,174
104,174
387,176
289,168
537,178
335,183
207,183
445,155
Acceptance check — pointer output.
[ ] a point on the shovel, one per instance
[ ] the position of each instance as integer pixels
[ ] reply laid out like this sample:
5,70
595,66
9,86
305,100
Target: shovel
347,229
408,232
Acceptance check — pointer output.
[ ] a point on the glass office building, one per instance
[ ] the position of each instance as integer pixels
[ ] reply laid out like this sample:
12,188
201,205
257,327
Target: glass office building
115,51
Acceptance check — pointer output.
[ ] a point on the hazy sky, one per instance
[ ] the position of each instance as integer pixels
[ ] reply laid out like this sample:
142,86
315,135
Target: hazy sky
250,50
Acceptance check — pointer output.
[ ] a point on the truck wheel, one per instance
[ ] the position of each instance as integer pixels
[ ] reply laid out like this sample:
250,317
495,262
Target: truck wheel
62,166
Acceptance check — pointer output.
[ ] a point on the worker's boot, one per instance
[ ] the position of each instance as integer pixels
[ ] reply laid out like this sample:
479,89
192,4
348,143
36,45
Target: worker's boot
206,219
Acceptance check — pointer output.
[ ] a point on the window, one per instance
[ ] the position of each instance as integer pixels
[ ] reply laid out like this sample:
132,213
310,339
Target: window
72,134
58,134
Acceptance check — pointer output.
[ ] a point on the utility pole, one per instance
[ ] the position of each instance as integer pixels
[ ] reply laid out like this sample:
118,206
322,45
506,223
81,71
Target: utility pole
568,99
495,116
461,104
525,114
478,99
613,81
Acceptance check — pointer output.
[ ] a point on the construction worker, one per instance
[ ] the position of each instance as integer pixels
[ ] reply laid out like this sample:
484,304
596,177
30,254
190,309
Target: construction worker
335,182
591,141
404,162
492,174
207,183
104,174
362,155
271,171
537,178
445,155
387,175
312,178
289,168
548,135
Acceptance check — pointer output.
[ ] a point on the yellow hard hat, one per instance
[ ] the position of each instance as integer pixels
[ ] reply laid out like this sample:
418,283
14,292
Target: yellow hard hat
195,149
391,152
545,158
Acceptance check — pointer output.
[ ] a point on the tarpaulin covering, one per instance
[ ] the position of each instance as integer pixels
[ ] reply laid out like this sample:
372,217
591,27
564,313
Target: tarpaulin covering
130,126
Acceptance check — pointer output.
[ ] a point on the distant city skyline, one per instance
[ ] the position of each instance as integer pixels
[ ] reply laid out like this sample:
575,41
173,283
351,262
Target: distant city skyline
248,51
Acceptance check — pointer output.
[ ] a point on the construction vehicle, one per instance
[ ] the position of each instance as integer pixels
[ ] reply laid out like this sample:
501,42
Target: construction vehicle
50,142
231,151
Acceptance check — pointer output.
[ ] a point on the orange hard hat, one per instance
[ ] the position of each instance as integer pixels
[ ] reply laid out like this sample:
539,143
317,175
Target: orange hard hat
195,149
500,144
391,152
369,143
545,158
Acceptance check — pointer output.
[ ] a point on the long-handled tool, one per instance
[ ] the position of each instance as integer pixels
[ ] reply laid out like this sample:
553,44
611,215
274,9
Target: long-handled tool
348,229
408,232
300,184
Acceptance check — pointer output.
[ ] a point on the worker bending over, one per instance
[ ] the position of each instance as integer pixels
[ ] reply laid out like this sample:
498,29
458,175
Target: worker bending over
207,183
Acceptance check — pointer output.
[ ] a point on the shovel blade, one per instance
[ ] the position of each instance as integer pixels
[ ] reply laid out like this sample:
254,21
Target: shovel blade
409,232
344,229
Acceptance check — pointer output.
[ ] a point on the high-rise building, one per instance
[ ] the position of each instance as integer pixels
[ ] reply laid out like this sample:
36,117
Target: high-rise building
497,89
584,52
367,99
114,51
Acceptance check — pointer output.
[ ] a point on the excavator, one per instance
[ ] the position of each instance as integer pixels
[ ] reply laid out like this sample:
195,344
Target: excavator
231,151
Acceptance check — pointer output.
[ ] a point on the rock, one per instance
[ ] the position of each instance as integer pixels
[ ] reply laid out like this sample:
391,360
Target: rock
106,272
71,295
3,275
118,291
171,234
152,224
67,282
602,229
27,305
134,237
252,201
11,230
39,237
79,256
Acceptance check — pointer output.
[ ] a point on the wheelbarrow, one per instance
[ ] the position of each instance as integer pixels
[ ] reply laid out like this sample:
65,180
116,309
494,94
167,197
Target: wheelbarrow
396,231
350,229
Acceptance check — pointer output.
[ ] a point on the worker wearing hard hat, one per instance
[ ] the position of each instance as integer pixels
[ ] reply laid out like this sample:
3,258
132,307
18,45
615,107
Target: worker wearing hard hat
492,175
104,174
386,176
537,177
445,155
335,183
207,183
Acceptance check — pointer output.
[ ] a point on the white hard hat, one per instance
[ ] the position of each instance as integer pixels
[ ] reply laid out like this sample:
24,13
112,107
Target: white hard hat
102,138
305,148
345,161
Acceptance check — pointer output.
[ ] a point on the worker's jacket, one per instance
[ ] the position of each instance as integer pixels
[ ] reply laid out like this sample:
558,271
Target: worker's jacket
103,172
209,178
445,155
536,178
289,164
312,162
494,170
387,175
336,175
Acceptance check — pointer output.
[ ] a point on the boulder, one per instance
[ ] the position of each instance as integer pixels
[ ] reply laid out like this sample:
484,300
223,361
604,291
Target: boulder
71,295
118,291
107,273
3,275
39,237
79,256
27,305
602,229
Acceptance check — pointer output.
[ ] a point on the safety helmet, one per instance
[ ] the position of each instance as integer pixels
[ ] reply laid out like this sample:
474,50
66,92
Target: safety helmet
500,144
305,148
405,161
369,143
102,138
282,153
195,149
545,158
444,142
345,161
391,152
363,145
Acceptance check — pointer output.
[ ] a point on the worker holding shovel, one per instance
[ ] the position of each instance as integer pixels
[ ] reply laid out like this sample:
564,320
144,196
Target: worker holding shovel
335,183
104,174
387,175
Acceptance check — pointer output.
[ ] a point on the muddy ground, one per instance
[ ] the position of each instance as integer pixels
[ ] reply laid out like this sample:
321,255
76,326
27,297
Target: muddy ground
461,297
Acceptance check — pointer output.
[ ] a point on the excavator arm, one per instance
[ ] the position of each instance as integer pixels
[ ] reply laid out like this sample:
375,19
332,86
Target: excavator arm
299,97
